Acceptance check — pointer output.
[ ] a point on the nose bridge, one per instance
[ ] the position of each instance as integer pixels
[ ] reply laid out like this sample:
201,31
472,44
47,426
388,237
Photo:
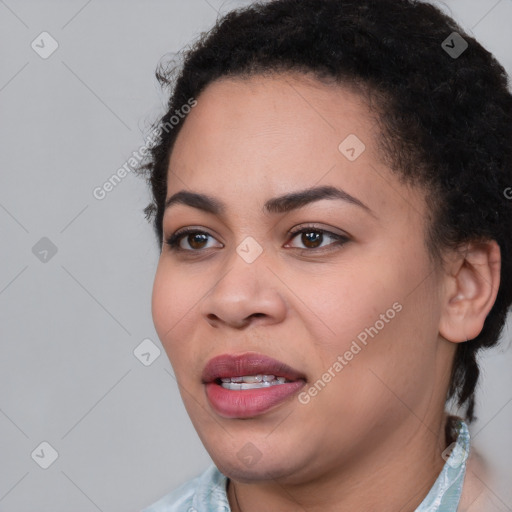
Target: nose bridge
244,289
245,271
245,267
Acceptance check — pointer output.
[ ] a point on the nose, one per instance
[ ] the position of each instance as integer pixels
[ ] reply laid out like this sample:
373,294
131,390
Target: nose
246,293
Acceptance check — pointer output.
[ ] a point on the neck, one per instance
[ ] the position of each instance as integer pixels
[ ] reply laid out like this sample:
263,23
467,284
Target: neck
396,475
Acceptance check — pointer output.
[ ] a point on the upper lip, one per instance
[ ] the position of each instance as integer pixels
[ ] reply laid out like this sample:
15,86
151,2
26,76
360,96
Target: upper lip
249,363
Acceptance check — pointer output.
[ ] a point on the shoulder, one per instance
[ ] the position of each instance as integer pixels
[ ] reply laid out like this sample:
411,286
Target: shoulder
195,495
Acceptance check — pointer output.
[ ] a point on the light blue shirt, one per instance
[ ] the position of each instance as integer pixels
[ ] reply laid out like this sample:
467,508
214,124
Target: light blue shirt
207,492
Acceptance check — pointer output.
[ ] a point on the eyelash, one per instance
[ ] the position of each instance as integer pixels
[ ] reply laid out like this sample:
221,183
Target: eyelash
174,240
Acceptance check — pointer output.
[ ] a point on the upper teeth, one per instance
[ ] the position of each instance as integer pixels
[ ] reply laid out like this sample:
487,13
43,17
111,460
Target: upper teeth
254,378
252,382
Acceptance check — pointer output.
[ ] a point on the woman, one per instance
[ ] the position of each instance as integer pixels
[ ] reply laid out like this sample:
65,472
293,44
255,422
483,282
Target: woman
329,201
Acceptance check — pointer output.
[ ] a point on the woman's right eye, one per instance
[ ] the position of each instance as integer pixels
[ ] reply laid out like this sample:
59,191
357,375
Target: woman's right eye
194,237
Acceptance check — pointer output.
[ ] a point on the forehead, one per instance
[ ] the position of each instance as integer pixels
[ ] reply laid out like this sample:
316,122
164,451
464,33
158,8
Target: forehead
263,136
276,108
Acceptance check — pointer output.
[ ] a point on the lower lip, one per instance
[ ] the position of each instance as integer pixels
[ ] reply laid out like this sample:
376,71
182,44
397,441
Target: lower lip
246,403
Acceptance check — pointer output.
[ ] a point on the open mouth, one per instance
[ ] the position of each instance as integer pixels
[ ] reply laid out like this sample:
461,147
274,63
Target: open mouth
249,384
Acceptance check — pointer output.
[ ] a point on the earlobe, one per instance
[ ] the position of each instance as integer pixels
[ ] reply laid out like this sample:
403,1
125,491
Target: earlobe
471,286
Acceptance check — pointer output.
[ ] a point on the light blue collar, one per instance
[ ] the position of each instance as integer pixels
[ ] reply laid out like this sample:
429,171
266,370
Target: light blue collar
444,496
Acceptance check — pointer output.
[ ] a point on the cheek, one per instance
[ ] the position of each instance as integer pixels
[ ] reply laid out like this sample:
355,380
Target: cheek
350,300
171,306
161,302
394,372
378,382
380,323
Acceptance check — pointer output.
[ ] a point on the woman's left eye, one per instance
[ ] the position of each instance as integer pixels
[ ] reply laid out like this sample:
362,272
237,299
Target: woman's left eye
311,237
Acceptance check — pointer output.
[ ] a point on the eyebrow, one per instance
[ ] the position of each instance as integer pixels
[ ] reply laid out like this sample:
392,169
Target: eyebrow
281,204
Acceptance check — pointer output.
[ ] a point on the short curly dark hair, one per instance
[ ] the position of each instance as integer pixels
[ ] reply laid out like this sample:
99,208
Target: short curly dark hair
446,120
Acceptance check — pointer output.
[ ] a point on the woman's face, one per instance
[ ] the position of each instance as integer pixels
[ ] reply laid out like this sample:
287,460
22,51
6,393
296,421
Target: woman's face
357,316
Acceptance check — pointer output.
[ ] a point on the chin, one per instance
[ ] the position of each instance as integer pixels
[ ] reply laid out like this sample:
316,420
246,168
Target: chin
248,465
238,471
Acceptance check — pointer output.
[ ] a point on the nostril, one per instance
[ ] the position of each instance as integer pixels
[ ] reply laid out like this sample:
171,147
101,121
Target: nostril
212,319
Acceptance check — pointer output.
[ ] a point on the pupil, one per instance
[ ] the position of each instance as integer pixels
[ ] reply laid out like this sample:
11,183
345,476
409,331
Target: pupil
311,237
195,238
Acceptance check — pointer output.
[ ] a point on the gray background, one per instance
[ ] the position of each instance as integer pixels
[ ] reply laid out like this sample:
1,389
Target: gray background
70,324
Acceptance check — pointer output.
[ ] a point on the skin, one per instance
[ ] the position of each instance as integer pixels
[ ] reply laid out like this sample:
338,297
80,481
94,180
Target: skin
372,438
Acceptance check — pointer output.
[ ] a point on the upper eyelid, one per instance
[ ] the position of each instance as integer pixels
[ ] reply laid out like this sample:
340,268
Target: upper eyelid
181,232
294,231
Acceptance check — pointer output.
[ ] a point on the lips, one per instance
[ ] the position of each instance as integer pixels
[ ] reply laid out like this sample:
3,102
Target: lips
250,363
249,403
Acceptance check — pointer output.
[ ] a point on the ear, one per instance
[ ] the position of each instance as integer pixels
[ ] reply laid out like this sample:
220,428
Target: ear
471,285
